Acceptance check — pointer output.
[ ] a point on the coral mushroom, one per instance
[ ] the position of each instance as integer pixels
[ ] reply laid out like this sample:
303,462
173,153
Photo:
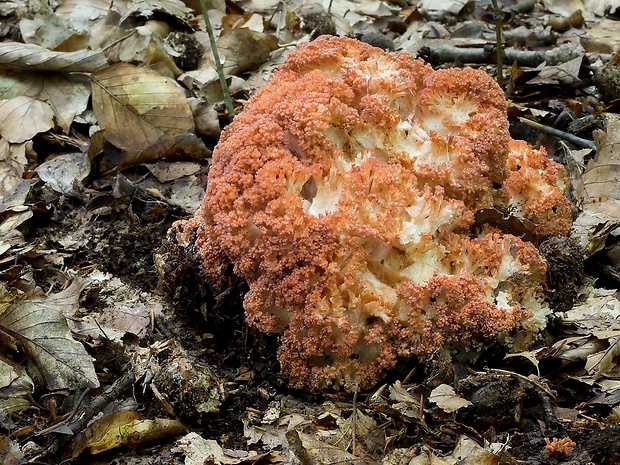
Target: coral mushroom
345,194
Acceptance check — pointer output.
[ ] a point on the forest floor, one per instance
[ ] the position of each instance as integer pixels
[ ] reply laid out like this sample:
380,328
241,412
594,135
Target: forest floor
101,362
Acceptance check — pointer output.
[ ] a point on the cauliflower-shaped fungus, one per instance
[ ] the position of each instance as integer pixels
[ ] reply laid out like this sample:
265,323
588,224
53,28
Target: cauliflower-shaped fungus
346,195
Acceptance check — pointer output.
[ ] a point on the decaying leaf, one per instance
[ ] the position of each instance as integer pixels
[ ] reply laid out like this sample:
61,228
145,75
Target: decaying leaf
147,8
125,428
601,181
598,364
446,398
16,389
22,118
138,107
65,172
37,322
244,49
199,451
66,94
10,453
598,310
310,451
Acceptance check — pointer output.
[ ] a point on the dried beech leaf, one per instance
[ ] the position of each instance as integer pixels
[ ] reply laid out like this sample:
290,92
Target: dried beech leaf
21,118
598,364
244,49
36,58
199,451
446,398
601,180
311,451
39,325
13,188
146,8
66,94
65,173
137,107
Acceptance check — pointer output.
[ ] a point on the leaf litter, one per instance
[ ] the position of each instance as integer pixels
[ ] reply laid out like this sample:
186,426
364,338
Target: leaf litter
95,360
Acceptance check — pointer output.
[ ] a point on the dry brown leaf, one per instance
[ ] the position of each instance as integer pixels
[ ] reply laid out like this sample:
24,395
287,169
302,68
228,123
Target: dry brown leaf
244,49
138,107
22,118
598,364
563,7
36,58
601,180
38,324
10,452
125,428
600,7
199,451
146,8
80,14
144,50
66,94
311,451
469,452
13,189
65,173
601,183
597,310
447,399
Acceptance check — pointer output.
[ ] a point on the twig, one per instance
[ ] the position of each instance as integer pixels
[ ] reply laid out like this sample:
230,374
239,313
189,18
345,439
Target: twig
499,48
561,134
354,424
89,411
218,63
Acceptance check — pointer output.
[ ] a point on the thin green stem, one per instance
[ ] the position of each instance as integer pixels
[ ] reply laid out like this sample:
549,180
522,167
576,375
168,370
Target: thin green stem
499,47
218,63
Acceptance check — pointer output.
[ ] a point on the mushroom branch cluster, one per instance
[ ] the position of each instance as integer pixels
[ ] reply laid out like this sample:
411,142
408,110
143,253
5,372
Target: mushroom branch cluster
348,193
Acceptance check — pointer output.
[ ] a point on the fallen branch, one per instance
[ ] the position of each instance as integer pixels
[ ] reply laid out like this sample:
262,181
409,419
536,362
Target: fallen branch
588,144
445,52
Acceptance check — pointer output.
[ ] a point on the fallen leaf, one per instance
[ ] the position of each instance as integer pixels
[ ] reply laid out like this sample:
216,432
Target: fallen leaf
37,322
65,173
36,58
125,428
146,8
598,310
10,453
243,49
311,451
66,94
599,363
199,451
601,180
446,398
22,118
138,107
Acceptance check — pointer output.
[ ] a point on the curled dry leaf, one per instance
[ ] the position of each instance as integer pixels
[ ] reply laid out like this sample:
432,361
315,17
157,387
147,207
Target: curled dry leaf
22,118
146,8
125,428
138,107
37,58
